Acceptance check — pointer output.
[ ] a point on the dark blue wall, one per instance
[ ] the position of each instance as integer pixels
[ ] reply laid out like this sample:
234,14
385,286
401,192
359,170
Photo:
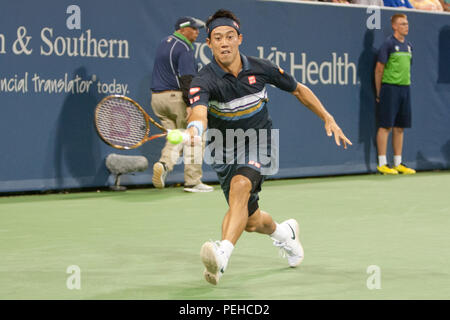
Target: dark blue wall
49,141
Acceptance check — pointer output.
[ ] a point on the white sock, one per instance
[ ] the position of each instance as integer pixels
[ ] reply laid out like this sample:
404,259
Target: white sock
397,160
280,234
382,161
227,248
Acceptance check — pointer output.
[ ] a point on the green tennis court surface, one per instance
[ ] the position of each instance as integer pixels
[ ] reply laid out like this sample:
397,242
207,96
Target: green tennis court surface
145,243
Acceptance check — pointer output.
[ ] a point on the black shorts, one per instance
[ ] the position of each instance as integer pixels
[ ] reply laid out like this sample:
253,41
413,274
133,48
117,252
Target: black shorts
394,109
226,172
252,159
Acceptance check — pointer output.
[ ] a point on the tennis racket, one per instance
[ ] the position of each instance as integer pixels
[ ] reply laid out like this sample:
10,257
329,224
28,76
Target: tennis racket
123,124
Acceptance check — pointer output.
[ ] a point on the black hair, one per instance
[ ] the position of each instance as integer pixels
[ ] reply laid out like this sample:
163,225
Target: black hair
223,13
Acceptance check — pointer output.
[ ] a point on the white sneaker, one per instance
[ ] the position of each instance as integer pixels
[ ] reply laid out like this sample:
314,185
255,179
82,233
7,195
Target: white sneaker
214,260
159,175
201,187
291,248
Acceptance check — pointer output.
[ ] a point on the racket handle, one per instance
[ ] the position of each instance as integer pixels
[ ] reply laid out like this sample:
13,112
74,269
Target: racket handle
187,139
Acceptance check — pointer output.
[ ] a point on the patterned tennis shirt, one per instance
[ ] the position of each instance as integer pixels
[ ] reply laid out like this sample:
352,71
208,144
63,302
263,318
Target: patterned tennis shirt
238,102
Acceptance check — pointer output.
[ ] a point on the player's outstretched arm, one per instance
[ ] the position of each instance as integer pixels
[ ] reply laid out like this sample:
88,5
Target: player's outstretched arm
309,99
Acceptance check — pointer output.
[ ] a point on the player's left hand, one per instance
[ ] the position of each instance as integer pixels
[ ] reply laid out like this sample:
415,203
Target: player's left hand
332,128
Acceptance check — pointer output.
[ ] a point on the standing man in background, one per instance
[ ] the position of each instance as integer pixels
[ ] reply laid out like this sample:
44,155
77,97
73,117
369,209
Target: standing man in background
392,82
173,71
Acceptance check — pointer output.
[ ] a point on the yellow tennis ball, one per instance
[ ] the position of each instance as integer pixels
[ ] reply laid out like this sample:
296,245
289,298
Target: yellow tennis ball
175,137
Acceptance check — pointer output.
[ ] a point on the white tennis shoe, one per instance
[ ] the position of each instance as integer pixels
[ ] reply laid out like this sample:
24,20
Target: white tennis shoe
159,175
291,248
201,187
215,261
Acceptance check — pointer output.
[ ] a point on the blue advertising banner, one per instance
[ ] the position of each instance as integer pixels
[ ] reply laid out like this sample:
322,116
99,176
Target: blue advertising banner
59,59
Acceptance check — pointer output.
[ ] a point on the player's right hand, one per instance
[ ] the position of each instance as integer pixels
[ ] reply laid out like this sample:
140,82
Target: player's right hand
191,137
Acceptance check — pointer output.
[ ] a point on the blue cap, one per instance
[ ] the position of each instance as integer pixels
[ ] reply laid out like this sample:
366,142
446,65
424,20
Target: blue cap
184,22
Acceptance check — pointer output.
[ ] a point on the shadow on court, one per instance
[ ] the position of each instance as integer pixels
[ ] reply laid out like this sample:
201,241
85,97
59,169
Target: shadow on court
444,55
149,194
367,124
234,287
77,147
446,152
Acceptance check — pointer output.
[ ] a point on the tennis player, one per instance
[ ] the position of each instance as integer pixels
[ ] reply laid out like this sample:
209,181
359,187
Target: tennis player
230,93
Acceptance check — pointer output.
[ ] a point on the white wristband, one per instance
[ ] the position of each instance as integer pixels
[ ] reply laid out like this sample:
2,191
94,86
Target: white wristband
198,125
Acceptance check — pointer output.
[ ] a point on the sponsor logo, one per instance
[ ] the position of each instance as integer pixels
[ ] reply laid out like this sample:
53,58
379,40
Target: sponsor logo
254,163
293,233
251,79
338,69
193,91
194,99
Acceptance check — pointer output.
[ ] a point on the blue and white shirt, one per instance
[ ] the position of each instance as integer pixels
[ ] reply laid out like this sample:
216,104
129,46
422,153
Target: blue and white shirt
238,102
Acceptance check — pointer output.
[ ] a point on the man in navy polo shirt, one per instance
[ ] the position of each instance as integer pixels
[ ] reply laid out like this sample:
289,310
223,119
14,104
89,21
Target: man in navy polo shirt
229,95
173,71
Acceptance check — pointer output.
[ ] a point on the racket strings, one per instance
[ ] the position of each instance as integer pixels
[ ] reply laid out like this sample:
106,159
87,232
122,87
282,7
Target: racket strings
121,123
